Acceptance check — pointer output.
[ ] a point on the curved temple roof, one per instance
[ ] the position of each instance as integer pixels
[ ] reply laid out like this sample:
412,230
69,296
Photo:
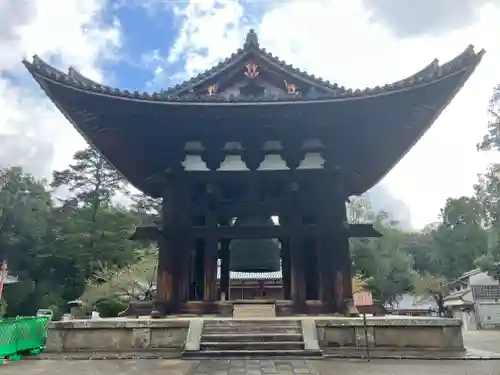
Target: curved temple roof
468,59
401,111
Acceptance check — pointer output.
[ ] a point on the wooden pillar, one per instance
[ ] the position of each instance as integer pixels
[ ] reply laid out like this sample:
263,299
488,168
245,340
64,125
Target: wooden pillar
293,153
183,267
183,242
213,157
326,267
165,289
346,266
333,243
165,279
224,269
210,281
285,268
334,272
298,284
211,255
199,270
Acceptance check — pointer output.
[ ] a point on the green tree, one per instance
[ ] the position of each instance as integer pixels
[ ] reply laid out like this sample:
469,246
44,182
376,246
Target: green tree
94,231
422,248
491,140
427,285
3,307
25,206
147,209
460,237
489,264
487,189
382,263
27,241
91,179
136,281
55,249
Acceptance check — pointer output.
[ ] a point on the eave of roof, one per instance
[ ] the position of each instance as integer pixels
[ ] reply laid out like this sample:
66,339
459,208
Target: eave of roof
433,72
252,276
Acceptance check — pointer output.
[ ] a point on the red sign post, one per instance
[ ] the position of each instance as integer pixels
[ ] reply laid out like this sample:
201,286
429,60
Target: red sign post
364,299
3,278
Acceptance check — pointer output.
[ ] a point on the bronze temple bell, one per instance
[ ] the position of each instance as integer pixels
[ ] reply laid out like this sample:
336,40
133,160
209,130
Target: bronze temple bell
254,255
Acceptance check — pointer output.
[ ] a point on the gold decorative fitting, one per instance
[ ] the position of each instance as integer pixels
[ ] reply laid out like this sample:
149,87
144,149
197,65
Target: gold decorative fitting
212,89
252,70
291,88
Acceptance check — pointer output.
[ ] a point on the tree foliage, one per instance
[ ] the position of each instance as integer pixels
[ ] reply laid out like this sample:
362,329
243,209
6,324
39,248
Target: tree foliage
55,247
428,285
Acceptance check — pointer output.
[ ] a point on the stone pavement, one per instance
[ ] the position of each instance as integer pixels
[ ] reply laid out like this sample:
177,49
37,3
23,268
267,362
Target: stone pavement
254,367
478,340
482,340
250,367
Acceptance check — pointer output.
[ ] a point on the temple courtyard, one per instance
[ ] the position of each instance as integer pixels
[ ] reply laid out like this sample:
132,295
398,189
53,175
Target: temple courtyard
482,342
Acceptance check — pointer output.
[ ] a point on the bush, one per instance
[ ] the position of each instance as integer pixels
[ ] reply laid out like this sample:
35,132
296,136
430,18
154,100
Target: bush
111,307
3,307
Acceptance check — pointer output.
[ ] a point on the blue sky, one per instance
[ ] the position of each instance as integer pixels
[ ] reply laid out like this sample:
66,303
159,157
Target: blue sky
144,30
152,44
150,31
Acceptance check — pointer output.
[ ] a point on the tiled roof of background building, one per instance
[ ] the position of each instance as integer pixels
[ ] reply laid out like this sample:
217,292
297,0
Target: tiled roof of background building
251,275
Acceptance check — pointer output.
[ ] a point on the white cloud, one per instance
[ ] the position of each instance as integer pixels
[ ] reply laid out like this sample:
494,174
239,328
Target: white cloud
70,32
338,40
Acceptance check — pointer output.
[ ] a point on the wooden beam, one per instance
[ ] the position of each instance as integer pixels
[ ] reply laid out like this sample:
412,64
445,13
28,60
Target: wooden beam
362,231
257,231
241,232
146,233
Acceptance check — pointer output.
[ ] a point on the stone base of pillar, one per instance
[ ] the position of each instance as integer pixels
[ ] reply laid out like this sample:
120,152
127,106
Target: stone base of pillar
351,309
157,314
163,309
314,308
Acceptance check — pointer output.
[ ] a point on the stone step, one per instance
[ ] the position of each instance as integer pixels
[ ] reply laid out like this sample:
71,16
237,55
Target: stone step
250,314
270,346
254,310
252,353
259,322
255,337
250,330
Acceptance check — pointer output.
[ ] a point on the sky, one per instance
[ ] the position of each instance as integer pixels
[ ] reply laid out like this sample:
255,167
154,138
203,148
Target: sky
152,44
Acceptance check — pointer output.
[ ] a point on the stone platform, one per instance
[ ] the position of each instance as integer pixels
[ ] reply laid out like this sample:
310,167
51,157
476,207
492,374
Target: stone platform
334,336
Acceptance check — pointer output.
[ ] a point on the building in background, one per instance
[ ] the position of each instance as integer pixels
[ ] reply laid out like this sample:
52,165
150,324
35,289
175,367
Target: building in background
254,285
411,305
475,299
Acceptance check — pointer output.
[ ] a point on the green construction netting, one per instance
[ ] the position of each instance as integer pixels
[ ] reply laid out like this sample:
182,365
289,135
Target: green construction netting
22,335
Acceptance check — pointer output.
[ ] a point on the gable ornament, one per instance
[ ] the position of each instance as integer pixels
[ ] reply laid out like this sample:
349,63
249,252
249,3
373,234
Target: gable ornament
291,88
212,89
252,70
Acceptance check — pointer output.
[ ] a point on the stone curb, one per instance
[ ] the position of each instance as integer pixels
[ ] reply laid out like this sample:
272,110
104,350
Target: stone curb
421,358
100,357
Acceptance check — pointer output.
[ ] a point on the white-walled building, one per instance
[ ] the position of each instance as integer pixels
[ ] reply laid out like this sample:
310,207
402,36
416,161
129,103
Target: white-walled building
475,299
